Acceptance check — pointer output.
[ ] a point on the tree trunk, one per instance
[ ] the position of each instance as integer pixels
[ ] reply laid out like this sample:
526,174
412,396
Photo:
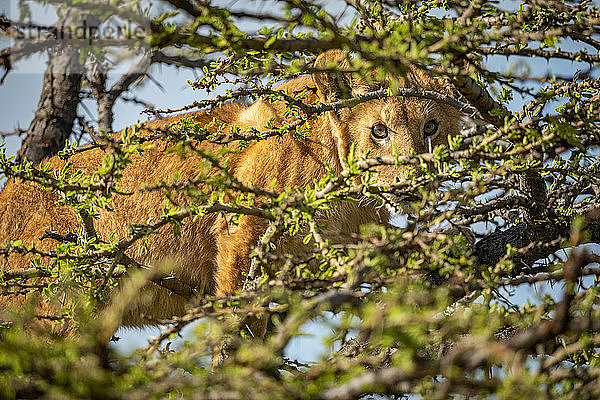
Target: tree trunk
57,108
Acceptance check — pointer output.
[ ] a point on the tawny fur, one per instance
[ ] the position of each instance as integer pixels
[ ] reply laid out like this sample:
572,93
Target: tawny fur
210,253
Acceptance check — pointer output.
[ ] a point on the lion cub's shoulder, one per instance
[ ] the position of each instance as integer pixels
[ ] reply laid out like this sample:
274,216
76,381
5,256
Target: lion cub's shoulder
256,115
228,113
262,111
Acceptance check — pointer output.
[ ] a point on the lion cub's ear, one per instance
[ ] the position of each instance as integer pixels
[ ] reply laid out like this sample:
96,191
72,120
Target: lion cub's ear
333,85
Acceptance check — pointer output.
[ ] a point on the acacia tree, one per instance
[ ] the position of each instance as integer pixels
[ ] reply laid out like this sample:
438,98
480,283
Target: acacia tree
423,309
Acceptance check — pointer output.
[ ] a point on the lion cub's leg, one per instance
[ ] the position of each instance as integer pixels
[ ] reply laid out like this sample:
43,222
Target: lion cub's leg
234,244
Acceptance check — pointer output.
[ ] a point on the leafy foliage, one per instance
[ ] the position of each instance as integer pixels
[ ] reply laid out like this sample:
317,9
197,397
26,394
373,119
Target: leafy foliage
423,309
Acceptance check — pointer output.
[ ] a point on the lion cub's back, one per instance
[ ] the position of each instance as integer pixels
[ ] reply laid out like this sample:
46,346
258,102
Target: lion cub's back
27,211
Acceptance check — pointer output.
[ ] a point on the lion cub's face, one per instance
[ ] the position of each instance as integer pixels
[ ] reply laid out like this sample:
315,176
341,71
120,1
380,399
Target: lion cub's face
382,127
387,126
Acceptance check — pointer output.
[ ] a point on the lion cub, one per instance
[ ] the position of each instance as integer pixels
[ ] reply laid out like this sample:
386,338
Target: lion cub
210,253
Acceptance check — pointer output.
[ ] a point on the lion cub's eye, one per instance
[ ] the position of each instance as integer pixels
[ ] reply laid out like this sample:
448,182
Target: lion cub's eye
379,131
430,128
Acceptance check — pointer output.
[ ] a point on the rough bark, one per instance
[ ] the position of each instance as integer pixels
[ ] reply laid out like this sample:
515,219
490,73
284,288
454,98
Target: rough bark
108,96
57,108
